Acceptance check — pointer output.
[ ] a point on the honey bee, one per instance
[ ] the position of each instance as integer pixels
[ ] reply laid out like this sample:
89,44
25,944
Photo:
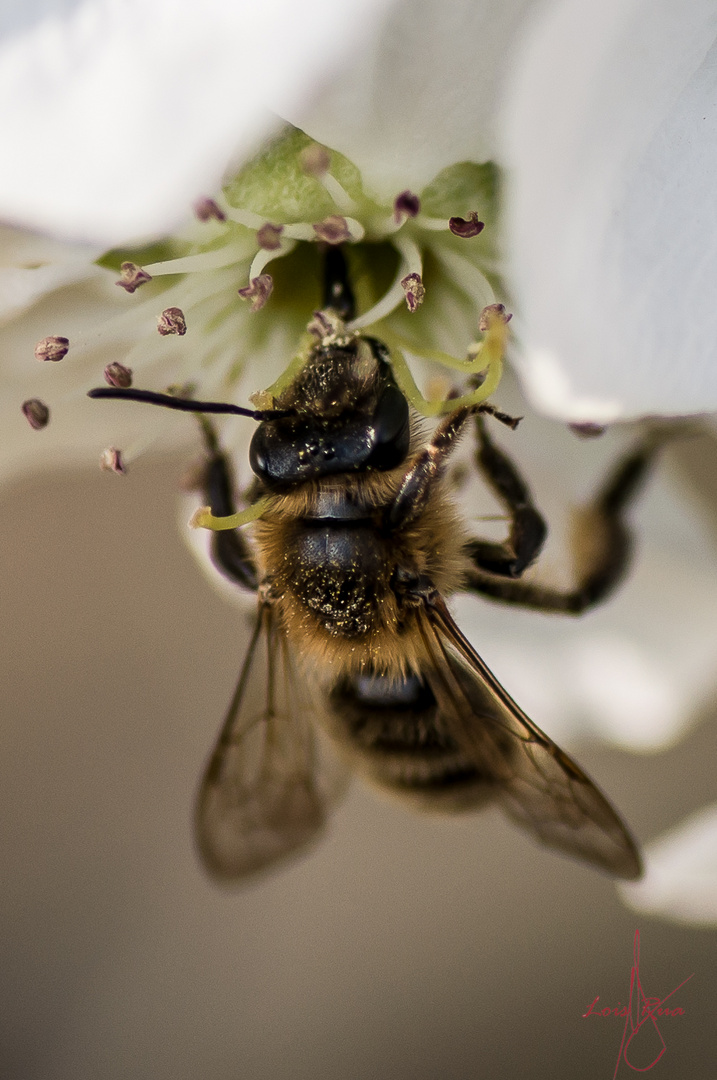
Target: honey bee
353,645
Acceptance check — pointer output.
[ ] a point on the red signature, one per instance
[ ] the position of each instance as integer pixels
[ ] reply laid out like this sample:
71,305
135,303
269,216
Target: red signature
639,1010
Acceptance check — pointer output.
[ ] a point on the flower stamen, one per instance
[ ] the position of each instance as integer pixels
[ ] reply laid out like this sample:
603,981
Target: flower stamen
229,255
52,348
415,291
36,413
406,205
466,227
132,277
269,236
315,160
118,375
340,196
207,209
412,265
172,321
111,461
258,291
333,229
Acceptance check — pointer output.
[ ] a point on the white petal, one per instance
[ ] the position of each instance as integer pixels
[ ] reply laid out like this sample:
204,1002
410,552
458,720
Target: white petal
33,265
612,139
117,113
420,96
681,878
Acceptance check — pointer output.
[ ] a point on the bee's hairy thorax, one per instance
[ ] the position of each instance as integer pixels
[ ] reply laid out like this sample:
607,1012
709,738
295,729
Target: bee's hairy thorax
331,564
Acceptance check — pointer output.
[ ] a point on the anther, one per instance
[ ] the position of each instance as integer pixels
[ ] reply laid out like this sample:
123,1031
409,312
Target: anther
111,461
415,291
492,314
52,348
315,160
118,375
320,325
172,321
268,236
466,227
207,209
36,413
258,291
330,329
333,229
132,277
405,205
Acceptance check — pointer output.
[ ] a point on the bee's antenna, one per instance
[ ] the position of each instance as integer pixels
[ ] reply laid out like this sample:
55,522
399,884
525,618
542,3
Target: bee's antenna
187,404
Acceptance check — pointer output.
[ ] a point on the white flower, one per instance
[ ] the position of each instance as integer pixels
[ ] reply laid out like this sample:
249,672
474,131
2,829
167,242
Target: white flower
118,115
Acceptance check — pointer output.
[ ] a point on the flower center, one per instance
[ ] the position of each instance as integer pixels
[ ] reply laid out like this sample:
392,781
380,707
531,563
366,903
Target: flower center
234,291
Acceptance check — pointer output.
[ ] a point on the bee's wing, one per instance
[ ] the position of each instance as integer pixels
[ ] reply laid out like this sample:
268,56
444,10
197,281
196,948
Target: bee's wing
538,785
267,786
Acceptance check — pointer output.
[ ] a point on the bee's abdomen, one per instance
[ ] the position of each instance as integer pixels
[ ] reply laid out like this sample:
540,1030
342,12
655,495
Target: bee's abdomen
396,728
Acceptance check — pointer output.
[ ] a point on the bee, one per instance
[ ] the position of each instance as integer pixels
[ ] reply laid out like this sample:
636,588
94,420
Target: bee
352,558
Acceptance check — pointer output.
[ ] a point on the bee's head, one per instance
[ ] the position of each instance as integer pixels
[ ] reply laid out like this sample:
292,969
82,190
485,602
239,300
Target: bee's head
349,416
342,413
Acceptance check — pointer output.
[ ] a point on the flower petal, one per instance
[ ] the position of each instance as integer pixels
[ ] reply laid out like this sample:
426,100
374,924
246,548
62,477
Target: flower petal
611,132
117,115
420,96
32,266
681,877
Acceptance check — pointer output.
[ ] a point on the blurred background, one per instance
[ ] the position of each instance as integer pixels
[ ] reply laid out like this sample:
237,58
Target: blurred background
403,946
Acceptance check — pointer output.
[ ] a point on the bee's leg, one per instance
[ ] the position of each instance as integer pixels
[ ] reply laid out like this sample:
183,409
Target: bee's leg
229,550
603,552
527,527
425,468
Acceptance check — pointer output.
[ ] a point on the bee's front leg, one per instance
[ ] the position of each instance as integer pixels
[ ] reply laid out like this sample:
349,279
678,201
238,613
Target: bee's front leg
425,468
230,553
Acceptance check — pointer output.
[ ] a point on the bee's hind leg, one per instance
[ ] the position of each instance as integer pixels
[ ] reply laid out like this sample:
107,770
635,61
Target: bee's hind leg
229,551
607,543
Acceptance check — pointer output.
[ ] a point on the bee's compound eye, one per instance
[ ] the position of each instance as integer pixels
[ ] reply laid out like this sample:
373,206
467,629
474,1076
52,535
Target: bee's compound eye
390,429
